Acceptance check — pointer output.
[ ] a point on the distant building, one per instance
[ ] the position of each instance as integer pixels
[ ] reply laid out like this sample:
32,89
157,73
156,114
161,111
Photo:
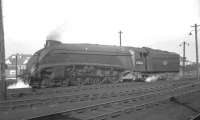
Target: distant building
12,62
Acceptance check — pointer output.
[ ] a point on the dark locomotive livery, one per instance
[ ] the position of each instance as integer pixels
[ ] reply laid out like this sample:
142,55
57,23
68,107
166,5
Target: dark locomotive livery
59,64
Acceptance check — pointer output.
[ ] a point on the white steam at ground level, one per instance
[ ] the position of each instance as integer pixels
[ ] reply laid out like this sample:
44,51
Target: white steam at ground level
152,78
19,84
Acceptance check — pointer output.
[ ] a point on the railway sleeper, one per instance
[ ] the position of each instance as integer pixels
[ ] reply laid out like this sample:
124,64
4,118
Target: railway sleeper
164,95
54,101
67,90
147,105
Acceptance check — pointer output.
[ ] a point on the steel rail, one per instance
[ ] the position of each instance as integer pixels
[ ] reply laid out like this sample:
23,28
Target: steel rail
115,101
32,102
69,98
142,106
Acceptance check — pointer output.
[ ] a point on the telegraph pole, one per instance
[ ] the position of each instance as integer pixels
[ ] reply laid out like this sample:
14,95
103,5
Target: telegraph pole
196,42
2,59
120,38
16,65
184,58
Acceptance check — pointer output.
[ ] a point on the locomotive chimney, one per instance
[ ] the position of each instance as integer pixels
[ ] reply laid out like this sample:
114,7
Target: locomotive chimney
53,38
52,43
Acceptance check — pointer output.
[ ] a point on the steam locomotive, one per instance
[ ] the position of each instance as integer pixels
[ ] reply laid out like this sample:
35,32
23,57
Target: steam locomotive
59,64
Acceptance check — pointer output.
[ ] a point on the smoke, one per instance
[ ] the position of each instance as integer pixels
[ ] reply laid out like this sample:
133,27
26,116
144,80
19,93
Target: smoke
54,35
57,33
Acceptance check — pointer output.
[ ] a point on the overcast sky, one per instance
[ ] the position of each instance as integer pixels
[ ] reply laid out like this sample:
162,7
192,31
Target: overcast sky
160,24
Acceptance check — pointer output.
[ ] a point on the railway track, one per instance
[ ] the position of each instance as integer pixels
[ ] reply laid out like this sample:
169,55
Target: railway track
30,93
18,94
115,108
197,117
75,102
92,93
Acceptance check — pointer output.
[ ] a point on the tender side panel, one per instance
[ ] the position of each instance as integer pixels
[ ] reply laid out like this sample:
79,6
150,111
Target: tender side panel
162,63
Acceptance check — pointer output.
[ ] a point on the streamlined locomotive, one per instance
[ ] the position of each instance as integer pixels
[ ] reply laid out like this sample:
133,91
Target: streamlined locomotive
59,64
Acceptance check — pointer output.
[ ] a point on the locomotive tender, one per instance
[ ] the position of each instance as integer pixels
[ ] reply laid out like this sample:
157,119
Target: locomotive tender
59,64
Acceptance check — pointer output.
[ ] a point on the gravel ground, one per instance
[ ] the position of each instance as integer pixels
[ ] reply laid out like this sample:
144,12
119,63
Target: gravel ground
186,107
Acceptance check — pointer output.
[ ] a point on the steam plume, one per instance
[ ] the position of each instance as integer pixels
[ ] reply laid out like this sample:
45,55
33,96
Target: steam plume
56,34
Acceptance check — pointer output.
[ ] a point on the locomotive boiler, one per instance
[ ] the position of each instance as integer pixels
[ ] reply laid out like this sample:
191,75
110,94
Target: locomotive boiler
59,64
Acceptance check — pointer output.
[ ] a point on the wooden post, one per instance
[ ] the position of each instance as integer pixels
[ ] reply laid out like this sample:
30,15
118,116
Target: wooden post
184,58
196,48
3,89
120,38
16,65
